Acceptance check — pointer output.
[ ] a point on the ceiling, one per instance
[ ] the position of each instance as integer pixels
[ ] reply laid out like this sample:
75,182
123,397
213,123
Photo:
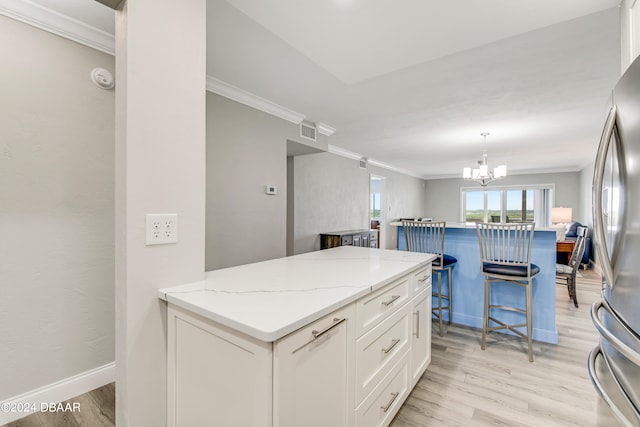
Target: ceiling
412,84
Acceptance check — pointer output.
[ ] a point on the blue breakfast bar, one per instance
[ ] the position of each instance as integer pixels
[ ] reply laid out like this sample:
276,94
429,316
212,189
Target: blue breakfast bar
461,241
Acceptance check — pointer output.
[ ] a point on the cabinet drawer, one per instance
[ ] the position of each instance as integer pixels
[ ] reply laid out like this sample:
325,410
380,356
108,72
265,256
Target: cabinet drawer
421,280
374,308
381,348
383,403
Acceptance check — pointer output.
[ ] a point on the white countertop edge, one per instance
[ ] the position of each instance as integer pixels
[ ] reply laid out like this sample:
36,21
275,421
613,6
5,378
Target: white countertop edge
271,335
274,335
384,283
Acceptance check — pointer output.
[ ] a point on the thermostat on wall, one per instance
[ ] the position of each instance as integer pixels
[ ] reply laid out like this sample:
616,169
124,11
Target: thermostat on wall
271,189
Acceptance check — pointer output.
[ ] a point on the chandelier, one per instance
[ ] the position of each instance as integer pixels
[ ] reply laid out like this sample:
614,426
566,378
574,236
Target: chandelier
482,174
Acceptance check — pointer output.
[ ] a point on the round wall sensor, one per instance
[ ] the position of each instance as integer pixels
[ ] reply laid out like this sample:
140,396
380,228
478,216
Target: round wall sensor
102,78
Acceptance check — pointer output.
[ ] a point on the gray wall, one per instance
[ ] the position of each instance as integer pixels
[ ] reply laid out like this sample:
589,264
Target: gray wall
586,203
443,195
403,197
56,210
331,193
246,150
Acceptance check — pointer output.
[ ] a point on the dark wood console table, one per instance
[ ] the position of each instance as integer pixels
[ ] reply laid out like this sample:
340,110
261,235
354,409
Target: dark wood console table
564,249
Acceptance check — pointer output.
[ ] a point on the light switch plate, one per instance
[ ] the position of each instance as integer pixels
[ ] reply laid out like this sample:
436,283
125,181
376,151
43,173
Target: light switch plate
161,229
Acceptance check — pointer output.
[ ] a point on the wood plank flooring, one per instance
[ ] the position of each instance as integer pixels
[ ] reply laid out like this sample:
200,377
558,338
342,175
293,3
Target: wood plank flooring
463,386
97,409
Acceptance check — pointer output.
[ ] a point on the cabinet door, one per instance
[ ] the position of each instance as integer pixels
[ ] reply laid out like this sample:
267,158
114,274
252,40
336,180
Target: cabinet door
421,335
313,373
216,376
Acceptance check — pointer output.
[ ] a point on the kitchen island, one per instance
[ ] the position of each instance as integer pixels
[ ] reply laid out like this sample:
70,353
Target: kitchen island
461,241
336,337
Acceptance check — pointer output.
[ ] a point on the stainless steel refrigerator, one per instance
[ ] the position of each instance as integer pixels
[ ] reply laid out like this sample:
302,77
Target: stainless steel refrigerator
614,364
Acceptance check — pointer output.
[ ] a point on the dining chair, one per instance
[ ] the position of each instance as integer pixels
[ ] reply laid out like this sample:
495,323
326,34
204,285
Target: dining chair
505,256
423,236
566,274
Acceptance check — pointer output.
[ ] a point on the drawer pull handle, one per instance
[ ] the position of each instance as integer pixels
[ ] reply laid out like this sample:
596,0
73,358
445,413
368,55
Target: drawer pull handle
394,396
424,279
417,314
391,301
393,344
336,322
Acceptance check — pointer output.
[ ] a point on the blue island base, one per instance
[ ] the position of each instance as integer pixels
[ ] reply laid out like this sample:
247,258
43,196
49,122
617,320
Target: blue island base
468,284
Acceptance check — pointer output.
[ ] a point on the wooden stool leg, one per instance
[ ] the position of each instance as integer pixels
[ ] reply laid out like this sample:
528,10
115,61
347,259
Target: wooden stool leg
571,286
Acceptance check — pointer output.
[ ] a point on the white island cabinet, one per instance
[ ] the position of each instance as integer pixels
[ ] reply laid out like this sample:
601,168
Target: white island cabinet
331,338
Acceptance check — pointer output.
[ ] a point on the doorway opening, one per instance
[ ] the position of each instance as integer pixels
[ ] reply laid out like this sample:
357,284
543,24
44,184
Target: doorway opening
377,217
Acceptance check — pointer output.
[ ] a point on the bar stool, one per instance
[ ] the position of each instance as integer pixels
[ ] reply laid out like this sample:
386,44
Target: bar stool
422,236
505,256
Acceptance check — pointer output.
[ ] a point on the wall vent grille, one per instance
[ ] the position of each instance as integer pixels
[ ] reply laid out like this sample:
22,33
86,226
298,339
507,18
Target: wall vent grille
307,131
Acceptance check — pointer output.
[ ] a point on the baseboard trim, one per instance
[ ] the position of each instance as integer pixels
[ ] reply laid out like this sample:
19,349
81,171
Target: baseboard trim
58,391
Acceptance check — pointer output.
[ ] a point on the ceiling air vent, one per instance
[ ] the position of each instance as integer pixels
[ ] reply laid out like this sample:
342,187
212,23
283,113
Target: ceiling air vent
308,131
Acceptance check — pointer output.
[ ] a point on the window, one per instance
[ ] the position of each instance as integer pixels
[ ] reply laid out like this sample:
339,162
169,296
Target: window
508,204
519,205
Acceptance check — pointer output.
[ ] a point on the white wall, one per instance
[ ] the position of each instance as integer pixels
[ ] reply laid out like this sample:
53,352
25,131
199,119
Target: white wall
160,168
331,193
629,33
443,195
56,210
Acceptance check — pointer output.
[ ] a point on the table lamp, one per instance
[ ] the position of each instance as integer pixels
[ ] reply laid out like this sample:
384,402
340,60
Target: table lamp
560,217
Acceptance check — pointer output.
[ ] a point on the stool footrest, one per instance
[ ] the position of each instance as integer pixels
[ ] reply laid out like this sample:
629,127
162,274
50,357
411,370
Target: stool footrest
506,326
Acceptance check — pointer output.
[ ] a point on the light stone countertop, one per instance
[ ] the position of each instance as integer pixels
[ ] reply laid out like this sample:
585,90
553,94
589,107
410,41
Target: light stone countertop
270,299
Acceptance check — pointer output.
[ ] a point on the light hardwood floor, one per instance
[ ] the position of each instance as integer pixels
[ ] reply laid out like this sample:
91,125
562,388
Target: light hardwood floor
464,386
97,409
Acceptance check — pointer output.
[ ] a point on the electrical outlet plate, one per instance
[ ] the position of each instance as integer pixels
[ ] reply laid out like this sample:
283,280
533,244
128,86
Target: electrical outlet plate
161,229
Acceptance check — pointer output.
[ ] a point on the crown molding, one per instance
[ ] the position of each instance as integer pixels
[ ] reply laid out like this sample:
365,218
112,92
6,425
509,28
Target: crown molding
344,153
325,129
56,23
373,162
64,26
393,168
247,98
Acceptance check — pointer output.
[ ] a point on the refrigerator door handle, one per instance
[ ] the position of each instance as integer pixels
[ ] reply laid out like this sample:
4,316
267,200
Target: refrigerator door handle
624,349
598,211
597,351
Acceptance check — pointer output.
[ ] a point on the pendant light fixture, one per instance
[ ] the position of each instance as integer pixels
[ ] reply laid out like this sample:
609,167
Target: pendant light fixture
482,174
